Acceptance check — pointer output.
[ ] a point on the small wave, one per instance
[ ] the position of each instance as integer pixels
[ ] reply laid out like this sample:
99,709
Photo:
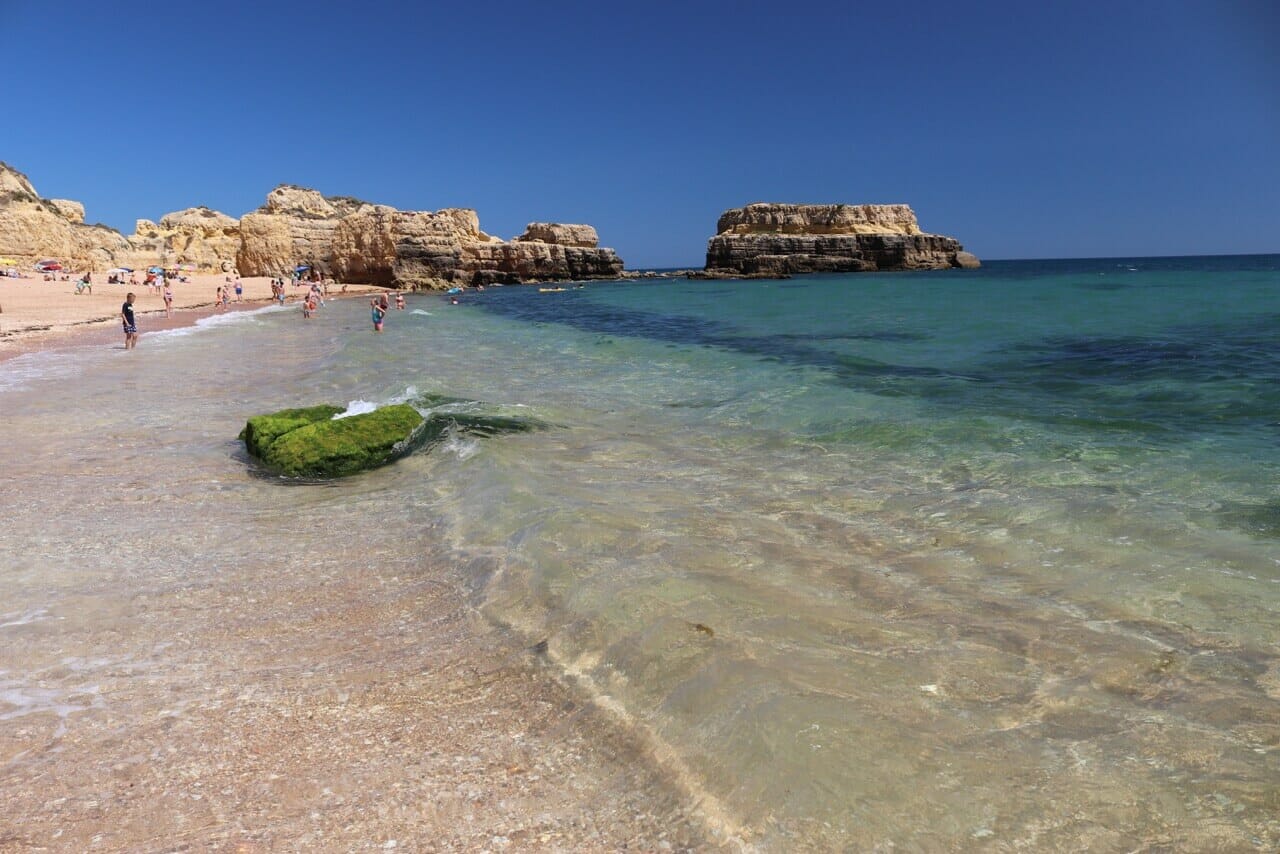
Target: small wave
21,371
420,311
356,407
24,618
460,446
363,407
217,320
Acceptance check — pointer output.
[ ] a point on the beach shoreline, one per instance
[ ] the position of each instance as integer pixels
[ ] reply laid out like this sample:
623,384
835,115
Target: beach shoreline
38,315
278,703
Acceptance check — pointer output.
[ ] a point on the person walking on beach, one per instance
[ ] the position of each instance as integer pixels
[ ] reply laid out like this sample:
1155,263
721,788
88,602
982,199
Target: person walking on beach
239,290
130,327
220,300
168,300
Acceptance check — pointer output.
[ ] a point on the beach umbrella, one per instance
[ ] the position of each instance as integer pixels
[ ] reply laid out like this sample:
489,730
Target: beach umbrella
49,266
300,268
117,270
156,270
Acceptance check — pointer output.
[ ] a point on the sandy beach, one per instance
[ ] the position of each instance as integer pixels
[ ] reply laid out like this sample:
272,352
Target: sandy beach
38,314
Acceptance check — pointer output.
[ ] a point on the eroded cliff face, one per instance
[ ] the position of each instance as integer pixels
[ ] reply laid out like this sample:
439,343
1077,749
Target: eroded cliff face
339,236
782,239
33,228
421,249
205,238
295,226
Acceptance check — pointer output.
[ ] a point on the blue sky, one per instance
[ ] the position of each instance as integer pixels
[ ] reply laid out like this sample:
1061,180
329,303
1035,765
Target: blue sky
1023,129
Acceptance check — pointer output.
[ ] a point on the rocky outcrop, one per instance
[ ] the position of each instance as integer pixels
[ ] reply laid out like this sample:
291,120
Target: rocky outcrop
33,228
319,441
559,234
779,239
312,443
295,226
420,249
203,238
72,212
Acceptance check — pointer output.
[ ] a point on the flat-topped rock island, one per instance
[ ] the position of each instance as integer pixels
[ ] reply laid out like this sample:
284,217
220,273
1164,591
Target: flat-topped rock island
765,239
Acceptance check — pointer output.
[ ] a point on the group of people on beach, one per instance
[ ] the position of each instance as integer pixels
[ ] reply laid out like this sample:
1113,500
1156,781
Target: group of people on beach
223,297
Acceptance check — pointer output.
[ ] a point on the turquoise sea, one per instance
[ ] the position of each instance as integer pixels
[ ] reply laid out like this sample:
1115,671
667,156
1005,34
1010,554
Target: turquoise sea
946,560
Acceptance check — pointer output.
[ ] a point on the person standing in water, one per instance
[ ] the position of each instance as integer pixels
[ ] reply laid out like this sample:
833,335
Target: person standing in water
130,327
168,300
379,314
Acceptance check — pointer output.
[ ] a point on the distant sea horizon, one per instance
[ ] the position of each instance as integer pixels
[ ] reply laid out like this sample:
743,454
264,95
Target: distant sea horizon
699,264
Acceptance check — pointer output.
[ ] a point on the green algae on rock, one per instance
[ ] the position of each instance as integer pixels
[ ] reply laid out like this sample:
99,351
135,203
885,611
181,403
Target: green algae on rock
262,430
318,445
310,442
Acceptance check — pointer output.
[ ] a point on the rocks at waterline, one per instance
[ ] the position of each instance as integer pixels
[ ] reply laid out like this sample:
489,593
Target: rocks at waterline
765,239
312,443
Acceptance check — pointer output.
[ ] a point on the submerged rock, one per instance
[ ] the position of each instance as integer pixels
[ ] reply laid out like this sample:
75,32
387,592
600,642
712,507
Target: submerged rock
310,442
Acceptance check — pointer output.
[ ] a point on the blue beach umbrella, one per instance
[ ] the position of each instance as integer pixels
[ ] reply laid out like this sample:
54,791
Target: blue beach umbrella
155,269
300,268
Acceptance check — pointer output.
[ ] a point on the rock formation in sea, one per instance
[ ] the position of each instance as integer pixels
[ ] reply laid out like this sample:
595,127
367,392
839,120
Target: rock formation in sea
782,239
338,236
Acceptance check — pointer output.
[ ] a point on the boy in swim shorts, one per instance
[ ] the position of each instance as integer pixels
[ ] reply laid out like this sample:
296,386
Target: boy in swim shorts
130,327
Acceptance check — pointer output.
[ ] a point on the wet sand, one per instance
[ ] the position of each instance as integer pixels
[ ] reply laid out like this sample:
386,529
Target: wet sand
358,711
287,703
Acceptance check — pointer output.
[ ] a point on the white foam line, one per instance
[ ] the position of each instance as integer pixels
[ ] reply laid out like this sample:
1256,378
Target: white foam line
31,616
216,320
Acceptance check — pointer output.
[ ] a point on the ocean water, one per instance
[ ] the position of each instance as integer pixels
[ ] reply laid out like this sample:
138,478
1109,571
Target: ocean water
965,559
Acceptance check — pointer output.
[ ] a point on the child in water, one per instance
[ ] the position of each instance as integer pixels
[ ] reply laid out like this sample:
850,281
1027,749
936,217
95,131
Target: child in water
399,301
379,313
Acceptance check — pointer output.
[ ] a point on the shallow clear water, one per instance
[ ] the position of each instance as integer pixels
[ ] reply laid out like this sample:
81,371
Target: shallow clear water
939,560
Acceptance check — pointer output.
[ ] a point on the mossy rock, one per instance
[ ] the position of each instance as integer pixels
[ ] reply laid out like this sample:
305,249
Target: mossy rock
324,447
262,430
310,443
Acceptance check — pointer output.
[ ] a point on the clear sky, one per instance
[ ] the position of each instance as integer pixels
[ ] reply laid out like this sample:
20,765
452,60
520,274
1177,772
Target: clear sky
1024,129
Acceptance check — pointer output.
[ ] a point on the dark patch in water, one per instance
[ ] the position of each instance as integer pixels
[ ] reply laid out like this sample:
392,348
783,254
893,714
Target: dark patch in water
857,336
1193,379
681,330
1259,520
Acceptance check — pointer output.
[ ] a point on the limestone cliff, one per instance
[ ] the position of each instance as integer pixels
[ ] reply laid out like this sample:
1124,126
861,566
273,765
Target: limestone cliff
204,238
295,226
382,245
784,239
33,228
339,236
